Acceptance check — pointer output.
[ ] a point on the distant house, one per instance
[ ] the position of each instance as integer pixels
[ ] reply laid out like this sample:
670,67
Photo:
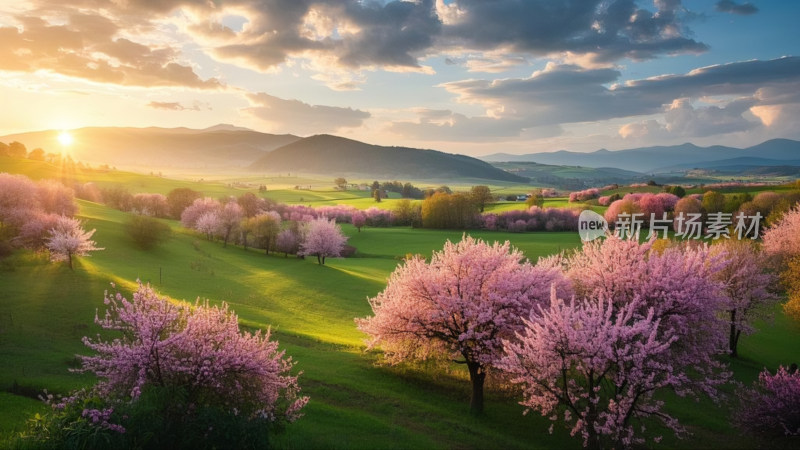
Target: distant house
522,198
364,187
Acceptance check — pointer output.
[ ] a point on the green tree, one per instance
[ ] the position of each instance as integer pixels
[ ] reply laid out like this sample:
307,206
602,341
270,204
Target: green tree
536,199
481,195
713,202
341,183
36,154
179,199
376,194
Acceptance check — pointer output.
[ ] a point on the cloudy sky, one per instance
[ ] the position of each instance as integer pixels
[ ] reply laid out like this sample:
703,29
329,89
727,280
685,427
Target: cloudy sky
466,76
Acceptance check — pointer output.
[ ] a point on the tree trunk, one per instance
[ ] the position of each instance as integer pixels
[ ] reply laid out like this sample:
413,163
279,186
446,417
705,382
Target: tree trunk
69,260
477,376
734,336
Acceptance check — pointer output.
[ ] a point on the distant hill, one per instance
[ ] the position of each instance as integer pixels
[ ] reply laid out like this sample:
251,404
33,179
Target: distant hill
570,177
332,154
219,146
655,159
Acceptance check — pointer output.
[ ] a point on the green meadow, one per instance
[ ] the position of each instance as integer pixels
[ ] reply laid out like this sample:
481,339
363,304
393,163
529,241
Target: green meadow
45,310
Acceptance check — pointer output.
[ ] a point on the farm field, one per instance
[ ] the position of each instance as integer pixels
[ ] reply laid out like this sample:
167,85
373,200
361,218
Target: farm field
45,309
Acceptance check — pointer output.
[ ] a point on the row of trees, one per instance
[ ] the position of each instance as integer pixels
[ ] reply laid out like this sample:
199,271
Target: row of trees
591,338
307,236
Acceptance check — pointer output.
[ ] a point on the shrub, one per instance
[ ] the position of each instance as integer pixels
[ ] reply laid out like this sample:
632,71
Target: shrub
146,231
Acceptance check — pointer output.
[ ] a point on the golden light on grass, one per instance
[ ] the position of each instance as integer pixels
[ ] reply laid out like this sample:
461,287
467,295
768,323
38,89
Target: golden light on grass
65,139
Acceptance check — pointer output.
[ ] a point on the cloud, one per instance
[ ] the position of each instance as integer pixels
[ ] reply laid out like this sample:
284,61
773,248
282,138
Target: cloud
606,30
682,119
728,6
175,106
294,116
568,94
88,46
341,35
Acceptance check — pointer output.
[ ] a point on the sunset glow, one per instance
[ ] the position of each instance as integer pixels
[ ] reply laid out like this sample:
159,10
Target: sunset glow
65,139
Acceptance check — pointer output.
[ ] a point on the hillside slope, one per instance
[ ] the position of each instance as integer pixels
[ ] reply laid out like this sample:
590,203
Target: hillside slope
332,154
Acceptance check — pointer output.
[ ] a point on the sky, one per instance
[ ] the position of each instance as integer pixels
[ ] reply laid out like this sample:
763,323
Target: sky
465,76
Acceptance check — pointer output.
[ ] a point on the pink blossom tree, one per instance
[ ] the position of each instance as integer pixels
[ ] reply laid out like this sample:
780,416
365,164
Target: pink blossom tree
771,407
18,200
198,207
679,284
230,216
598,362
323,239
359,219
460,306
782,239
56,198
286,242
68,239
746,287
165,344
209,224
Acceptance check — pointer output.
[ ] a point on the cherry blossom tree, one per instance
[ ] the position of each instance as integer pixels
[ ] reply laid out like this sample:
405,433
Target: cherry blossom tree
679,284
68,239
209,224
198,207
459,306
229,217
323,239
598,362
782,239
746,287
771,407
200,350
641,321
359,220
18,200
286,242
56,198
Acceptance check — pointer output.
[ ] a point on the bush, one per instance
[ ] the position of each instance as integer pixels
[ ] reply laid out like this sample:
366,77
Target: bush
146,231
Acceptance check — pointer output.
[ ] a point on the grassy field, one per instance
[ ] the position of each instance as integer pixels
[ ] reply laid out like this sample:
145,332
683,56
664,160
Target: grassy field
45,309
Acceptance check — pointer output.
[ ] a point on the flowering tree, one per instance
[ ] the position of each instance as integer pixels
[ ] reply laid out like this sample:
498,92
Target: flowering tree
56,198
229,217
286,242
68,239
771,407
598,362
198,207
679,284
18,199
324,238
782,239
460,306
208,223
201,349
359,220
782,243
746,287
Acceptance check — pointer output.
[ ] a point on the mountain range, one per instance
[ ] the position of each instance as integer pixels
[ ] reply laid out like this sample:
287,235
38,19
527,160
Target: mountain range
229,147
665,159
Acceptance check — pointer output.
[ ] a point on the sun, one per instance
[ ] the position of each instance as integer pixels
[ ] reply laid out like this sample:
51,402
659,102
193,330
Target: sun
65,139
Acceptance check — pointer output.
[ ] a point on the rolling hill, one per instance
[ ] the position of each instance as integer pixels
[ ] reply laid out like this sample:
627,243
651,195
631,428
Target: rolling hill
655,159
220,146
332,154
